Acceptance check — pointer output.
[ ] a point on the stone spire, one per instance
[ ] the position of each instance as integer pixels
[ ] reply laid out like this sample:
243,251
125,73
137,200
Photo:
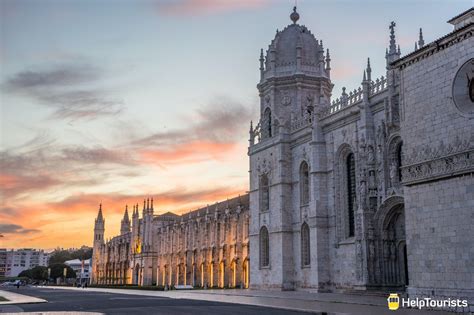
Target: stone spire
294,16
262,64
392,53
125,215
393,46
369,70
421,41
328,63
99,228
100,217
125,224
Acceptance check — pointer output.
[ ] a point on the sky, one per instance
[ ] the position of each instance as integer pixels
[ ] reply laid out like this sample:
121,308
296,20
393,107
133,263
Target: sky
112,102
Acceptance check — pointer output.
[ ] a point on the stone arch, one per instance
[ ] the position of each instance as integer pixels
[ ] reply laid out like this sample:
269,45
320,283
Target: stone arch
305,245
267,123
304,183
264,249
136,274
343,218
390,265
246,273
264,192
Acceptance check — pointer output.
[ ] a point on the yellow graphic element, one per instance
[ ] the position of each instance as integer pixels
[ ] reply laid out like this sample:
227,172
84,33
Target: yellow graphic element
393,301
138,247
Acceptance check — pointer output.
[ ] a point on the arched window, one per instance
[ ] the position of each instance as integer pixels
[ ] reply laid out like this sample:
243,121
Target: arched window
264,193
267,123
351,192
399,162
304,183
305,246
264,248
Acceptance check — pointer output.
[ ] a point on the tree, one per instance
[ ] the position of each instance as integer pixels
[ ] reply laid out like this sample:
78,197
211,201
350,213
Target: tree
36,273
59,257
83,253
26,273
58,269
39,273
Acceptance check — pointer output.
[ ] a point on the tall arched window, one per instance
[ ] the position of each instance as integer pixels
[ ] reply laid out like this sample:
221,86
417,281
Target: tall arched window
351,192
264,193
305,246
264,248
267,123
399,162
304,183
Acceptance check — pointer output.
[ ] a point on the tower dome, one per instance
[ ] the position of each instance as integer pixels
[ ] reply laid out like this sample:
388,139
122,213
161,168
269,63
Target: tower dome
294,50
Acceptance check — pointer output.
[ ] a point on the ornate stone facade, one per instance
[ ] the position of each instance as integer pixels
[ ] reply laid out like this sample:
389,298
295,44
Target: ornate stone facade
367,151
207,247
371,191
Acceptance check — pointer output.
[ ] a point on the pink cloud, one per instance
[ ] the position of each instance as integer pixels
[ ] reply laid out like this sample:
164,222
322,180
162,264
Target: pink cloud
205,7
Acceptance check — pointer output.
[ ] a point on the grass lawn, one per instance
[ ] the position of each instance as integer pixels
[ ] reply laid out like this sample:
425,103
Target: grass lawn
2,299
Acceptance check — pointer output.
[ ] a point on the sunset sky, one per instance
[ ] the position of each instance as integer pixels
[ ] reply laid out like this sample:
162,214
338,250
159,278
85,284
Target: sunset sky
116,101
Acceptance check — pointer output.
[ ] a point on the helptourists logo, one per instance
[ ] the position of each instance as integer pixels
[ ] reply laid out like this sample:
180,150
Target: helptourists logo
394,300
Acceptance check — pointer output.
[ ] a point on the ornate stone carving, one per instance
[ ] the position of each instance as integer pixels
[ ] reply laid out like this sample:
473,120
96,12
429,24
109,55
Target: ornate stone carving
285,98
429,163
264,167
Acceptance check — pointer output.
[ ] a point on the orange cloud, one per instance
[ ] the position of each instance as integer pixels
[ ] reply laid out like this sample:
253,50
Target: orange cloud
12,185
70,222
200,7
189,152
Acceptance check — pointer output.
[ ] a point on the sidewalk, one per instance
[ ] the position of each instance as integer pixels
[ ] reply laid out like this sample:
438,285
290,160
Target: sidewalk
330,303
15,298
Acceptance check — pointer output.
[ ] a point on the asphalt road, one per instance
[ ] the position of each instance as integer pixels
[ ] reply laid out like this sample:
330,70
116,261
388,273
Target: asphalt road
111,303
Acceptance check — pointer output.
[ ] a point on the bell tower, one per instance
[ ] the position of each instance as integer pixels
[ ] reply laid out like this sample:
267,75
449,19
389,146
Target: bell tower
99,230
294,86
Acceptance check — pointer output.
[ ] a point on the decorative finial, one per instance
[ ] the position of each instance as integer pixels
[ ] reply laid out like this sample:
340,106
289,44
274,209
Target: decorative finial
294,16
421,41
392,47
369,70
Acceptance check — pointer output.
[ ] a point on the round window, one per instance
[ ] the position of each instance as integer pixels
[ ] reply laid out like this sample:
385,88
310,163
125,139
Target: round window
463,88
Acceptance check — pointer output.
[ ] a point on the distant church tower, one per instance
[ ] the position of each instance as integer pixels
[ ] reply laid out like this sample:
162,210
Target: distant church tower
99,229
125,223
287,157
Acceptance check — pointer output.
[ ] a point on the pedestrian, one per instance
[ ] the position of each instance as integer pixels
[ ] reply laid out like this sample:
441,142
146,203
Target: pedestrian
18,285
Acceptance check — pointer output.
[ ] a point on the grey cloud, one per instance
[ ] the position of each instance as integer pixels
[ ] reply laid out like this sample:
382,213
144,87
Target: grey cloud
66,89
62,75
15,229
97,155
225,121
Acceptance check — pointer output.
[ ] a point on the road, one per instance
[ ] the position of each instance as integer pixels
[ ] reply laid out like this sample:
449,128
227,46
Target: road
112,303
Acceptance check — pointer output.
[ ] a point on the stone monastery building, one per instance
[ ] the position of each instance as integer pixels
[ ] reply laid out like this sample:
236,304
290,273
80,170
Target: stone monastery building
373,190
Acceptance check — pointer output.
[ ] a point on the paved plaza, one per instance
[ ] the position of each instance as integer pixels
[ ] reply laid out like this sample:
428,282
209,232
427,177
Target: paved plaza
121,301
